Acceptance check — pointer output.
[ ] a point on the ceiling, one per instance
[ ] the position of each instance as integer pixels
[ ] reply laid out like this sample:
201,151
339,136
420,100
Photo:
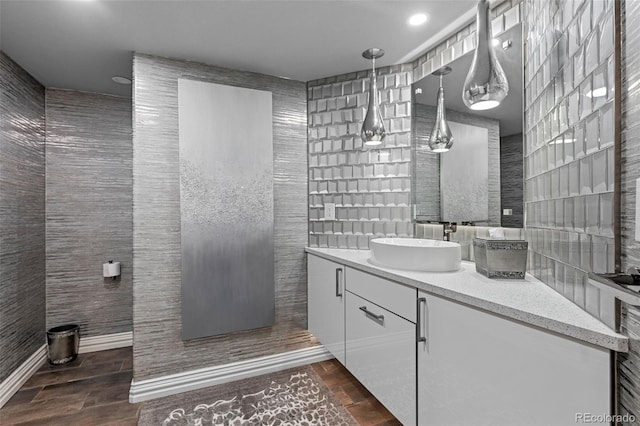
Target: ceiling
81,44
509,112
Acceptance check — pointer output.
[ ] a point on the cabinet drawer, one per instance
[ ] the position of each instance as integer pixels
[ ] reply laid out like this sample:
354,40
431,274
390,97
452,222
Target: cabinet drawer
395,297
381,354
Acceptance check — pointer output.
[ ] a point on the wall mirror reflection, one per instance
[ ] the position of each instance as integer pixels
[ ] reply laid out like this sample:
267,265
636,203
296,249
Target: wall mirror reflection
480,179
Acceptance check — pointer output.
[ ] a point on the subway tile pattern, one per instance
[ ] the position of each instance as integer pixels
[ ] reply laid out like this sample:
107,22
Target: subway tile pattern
371,188
89,197
629,363
22,209
158,347
568,156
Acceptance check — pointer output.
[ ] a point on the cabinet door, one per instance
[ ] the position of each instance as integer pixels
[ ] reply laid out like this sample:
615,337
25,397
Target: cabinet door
381,355
325,293
477,368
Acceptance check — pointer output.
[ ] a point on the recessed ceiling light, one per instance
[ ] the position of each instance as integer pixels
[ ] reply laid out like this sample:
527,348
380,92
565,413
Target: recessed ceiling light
121,80
417,19
495,42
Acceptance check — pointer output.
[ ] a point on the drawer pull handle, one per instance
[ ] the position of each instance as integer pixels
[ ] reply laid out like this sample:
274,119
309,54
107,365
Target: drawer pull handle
419,336
338,280
371,314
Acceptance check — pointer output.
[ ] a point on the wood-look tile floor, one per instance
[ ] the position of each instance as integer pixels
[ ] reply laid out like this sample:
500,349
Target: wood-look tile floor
363,406
93,390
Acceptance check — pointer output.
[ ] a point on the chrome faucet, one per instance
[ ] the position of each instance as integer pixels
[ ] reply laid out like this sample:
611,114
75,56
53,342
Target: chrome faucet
448,229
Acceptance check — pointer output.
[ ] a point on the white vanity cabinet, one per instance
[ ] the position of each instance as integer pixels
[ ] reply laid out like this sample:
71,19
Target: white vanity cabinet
325,308
380,341
437,361
477,368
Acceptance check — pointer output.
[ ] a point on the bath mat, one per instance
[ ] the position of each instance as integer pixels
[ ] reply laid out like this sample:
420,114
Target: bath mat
290,397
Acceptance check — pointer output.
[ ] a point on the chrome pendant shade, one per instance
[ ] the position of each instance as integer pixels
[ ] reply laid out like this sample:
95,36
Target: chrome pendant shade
486,84
441,139
373,131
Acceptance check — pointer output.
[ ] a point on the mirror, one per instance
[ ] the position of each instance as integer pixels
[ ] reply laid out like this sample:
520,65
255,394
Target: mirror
480,180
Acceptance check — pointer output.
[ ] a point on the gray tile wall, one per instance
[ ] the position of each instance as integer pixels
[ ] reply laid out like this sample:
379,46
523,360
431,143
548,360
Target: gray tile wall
629,363
89,196
427,169
22,207
511,180
158,346
370,187
569,147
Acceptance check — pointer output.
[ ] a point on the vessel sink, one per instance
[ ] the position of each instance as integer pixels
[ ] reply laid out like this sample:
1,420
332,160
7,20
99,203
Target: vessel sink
415,254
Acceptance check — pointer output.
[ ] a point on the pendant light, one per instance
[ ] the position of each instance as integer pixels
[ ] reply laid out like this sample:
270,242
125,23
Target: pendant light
373,132
441,139
486,84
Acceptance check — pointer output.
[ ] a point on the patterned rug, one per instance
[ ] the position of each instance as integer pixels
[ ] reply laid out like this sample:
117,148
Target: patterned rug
291,397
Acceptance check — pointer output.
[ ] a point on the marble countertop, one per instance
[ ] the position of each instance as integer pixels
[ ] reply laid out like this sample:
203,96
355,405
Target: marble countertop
529,300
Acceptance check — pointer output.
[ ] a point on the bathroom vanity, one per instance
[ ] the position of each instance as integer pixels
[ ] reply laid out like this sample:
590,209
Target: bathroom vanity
460,348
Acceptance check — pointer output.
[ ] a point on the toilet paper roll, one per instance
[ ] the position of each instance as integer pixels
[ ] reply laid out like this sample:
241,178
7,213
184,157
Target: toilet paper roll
111,269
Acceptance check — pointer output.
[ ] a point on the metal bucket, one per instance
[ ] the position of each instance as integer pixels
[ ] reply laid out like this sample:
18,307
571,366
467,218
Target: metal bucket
63,343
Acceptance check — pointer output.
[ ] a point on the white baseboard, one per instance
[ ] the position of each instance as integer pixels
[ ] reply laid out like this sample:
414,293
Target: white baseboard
108,341
19,377
144,390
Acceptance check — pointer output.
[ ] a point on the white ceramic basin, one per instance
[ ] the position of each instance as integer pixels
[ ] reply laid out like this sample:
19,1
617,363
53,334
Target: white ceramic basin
415,254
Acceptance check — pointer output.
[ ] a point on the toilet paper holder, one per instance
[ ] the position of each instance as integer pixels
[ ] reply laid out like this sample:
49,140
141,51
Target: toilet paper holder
111,269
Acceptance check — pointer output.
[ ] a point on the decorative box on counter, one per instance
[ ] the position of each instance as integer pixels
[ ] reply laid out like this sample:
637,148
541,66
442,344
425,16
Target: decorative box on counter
501,258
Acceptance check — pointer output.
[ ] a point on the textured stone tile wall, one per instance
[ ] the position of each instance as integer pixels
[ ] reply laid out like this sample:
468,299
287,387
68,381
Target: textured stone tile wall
158,348
22,207
569,120
89,196
629,363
